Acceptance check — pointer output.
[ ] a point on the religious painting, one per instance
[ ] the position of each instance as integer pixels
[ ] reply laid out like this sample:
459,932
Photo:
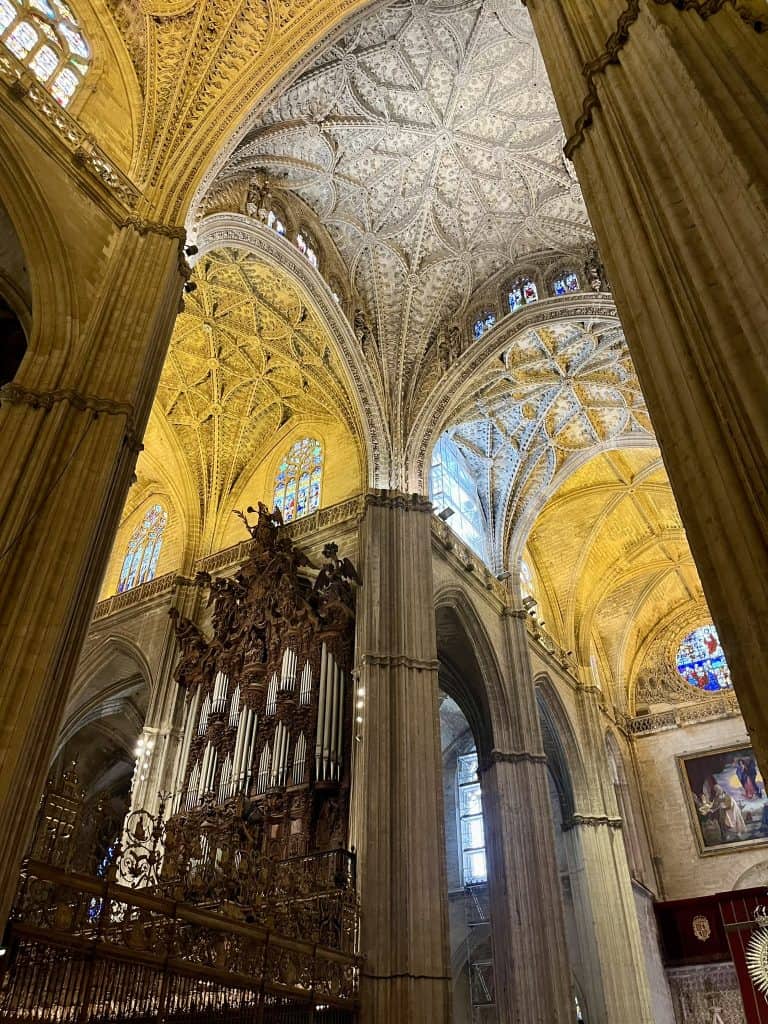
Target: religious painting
726,798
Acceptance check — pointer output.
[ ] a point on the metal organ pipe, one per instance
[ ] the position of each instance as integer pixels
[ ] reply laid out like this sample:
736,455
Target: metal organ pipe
272,695
261,784
220,686
203,724
234,708
334,723
237,755
320,711
250,743
186,742
306,684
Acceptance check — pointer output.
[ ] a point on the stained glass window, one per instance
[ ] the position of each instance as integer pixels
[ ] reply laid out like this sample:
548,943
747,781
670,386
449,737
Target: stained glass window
298,480
274,222
567,283
471,826
522,293
701,661
140,562
306,248
47,38
451,487
483,324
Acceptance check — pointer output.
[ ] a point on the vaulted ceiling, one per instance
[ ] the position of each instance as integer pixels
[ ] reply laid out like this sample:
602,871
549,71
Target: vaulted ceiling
248,357
559,390
612,561
428,141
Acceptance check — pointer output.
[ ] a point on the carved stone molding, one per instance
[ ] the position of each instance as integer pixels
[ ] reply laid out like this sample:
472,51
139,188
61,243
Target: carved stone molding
592,820
82,147
619,38
400,661
511,757
394,499
15,394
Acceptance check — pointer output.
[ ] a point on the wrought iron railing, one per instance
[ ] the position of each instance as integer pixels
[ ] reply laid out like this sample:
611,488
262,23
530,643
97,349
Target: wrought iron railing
85,949
177,920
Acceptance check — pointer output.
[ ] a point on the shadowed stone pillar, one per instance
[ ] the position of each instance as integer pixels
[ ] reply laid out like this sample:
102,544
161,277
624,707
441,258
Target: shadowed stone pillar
602,886
531,969
165,717
667,125
397,806
67,456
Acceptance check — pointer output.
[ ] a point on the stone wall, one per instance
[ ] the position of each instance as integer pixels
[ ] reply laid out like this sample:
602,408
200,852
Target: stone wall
683,871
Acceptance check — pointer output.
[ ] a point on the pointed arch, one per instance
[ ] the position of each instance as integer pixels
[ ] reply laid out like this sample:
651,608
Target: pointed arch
237,231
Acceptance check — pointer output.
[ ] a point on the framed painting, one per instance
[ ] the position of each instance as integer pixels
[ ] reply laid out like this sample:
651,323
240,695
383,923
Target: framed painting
726,798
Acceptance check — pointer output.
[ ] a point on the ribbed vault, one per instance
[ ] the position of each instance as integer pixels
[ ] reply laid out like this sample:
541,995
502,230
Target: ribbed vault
428,141
612,562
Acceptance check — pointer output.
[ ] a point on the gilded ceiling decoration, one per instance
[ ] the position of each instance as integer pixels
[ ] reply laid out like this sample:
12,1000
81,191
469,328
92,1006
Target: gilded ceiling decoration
428,142
558,390
247,358
613,565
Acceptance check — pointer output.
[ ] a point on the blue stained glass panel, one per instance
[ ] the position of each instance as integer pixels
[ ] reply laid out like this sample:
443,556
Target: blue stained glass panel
298,480
701,661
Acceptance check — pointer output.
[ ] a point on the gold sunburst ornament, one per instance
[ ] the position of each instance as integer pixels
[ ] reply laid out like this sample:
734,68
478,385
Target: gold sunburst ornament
756,953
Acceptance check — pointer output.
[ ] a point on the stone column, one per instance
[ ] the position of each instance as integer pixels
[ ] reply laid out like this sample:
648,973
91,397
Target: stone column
67,456
665,114
602,885
397,805
531,969
165,716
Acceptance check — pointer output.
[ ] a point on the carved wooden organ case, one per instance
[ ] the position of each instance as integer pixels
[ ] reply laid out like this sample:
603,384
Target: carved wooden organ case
268,721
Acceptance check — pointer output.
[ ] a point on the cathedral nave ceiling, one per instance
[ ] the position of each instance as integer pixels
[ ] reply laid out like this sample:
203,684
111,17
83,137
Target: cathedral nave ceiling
249,358
558,391
428,142
613,568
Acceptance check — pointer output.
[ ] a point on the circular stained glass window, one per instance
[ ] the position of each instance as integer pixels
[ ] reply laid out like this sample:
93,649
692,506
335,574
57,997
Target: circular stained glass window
701,662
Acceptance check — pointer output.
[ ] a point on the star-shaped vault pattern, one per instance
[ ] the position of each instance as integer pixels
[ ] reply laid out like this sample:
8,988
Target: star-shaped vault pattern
428,142
560,389
246,359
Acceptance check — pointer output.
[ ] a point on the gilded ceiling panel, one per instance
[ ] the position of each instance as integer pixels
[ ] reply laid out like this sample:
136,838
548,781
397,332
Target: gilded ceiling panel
247,358
612,558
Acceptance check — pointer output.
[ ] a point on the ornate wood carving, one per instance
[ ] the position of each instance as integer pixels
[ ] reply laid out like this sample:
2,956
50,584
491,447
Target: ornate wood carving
269,695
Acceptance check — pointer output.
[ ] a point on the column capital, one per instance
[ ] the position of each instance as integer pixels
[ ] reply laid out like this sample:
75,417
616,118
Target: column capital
391,498
593,820
510,612
511,757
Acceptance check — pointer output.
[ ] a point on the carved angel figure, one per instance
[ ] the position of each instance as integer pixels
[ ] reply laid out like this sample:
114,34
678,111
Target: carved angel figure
194,648
335,570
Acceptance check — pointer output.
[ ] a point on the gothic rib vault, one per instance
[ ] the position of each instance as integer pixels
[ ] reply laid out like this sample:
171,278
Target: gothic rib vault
428,142
249,358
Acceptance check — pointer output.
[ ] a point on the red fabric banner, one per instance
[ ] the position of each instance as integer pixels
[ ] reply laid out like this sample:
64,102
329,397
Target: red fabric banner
738,914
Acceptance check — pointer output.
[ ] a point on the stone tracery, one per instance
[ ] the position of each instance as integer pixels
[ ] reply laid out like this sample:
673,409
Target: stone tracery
428,142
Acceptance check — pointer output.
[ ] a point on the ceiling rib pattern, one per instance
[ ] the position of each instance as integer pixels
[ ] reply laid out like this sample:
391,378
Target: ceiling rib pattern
559,389
246,359
428,141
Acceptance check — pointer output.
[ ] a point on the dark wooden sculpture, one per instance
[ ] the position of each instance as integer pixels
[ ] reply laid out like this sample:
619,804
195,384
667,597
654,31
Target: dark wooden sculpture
269,697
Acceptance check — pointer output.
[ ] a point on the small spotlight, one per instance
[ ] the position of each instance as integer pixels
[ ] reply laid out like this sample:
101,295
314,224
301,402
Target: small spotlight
191,250
190,286
529,603
446,514
503,575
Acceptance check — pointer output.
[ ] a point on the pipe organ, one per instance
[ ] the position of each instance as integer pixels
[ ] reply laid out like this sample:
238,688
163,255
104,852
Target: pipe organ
268,710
